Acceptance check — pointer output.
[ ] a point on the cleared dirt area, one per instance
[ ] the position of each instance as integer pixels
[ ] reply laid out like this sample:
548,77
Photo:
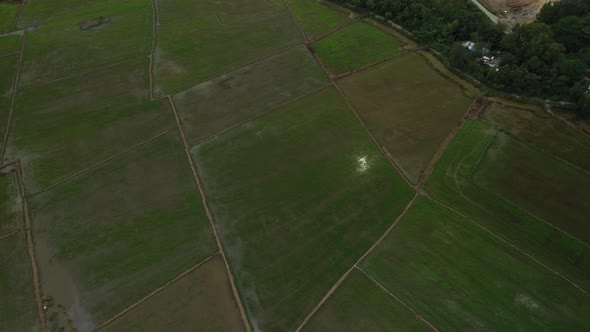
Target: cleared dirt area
512,12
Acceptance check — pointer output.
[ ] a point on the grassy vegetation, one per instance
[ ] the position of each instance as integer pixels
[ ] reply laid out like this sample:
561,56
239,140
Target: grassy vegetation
359,305
215,105
175,10
62,128
315,18
541,184
59,48
548,134
8,12
109,237
190,52
453,184
7,68
356,46
298,195
10,203
202,299
460,277
408,106
10,44
17,298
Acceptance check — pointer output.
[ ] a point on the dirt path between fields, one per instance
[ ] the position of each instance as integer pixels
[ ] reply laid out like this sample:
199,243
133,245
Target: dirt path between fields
13,91
355,265
31,248
478,105
210,217
155,24
385,290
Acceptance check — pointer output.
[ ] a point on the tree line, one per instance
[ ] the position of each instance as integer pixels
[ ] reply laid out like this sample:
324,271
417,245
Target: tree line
548,58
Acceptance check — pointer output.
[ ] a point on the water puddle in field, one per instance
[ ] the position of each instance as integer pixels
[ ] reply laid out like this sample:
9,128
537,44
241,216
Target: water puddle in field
362,164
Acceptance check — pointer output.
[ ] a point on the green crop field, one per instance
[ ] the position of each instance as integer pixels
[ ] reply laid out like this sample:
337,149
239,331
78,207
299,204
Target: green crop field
540,130
17,299
323,194
408,106
314,18
359,305
356,46
190,52
460,277
114,234
218,104
65,127
202,298
276,165
505,169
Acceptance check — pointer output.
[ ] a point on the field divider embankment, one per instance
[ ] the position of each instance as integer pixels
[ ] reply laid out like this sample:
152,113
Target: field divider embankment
355,265
9,54
155,24
334,30
86,72
295,20
13,91
9,234
286,49
210,217
510,244
371,65
31,248
156,291
386,291
21,9
273,108
476,106
89,168
385,154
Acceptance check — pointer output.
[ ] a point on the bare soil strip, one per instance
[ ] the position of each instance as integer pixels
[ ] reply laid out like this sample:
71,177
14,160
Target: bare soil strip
382,149
210,217
9,234
295,20
155,24
31,248
101,162
86,72
418,316
210,137
13,90
478,105
510,244
355,265
147,297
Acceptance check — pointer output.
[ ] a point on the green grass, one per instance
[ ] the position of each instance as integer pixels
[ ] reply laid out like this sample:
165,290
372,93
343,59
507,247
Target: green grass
58,48
541,184
191,52
409,108
202,299
10,203
315,18
175,10
359,305
298,195
8,12
113,235
62,128
459,277
452,183
546,133
7,68
10,44
17,297
215,105
356,46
